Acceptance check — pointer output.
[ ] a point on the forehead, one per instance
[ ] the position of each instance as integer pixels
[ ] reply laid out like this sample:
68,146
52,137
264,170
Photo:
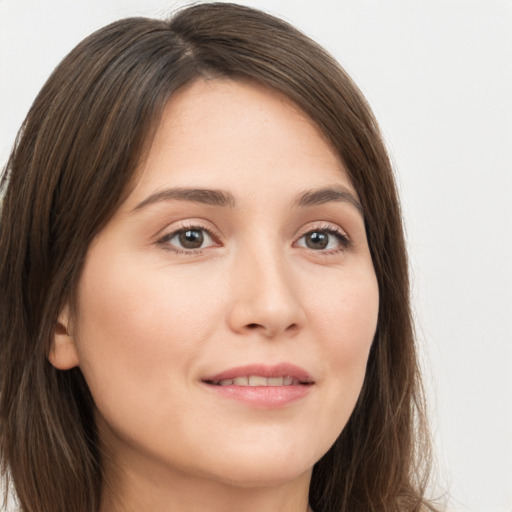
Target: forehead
237,135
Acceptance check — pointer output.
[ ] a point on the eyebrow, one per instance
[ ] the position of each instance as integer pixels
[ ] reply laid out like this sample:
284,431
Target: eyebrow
195,195
328,195
222,198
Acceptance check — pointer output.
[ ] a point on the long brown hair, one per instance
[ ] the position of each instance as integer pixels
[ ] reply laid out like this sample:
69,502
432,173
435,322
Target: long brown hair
69,171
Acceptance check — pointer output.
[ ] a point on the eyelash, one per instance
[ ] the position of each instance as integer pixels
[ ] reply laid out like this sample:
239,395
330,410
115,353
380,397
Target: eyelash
164,242
332,230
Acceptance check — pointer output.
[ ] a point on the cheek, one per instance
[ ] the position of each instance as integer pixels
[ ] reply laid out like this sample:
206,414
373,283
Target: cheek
346,325
138,325
346,314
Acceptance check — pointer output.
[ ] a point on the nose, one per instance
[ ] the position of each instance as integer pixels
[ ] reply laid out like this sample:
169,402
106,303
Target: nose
265,296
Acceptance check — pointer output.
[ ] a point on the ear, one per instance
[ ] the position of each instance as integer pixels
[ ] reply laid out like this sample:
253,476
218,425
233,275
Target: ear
63,353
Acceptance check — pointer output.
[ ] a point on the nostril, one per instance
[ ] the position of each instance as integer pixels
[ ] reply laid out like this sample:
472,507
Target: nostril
255,326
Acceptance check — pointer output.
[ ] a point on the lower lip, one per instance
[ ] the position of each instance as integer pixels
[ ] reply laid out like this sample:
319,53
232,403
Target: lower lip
266,397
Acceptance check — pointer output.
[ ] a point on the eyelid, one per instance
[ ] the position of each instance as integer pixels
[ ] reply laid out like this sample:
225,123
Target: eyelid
189,224
334,229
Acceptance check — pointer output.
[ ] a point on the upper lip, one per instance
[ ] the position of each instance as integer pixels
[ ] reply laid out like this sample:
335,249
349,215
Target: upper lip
263,370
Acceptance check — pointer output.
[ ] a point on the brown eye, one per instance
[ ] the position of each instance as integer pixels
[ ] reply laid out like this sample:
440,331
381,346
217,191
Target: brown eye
188,240
324,240
317,240
191,238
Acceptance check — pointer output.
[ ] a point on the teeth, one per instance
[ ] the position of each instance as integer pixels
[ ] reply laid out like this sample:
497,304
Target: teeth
258,380
255,380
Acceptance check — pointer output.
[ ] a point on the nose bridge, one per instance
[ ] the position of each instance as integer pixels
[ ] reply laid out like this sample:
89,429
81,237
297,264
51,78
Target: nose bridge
264,289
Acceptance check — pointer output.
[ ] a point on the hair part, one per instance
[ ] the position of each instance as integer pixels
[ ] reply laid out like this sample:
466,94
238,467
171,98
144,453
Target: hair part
74,161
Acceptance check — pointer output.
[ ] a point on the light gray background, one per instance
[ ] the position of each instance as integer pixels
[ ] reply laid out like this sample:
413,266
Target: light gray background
438,75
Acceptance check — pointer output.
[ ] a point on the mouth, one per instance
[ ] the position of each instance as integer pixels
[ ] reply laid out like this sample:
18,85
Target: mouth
256,375
259,380
262,386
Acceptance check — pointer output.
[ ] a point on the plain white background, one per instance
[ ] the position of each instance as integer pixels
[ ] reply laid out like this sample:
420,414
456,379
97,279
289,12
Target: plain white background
438,74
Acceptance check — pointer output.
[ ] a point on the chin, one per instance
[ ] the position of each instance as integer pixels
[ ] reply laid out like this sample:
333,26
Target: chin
266,467
269,475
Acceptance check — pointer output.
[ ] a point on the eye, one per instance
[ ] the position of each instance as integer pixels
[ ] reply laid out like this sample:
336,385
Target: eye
189,239
325,239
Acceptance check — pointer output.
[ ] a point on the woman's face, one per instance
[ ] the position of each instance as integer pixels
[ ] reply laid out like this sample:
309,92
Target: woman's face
226,312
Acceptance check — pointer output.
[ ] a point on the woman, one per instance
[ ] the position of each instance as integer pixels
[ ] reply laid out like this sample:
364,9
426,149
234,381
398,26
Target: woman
204,282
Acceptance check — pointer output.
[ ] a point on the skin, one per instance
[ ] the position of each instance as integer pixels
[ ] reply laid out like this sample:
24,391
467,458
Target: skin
155,318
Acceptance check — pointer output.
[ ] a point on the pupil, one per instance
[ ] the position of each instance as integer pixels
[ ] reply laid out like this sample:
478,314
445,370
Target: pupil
191,239
317,240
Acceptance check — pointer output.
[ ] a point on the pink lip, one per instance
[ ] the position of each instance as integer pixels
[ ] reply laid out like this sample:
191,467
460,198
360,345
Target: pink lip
263,397
278,370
